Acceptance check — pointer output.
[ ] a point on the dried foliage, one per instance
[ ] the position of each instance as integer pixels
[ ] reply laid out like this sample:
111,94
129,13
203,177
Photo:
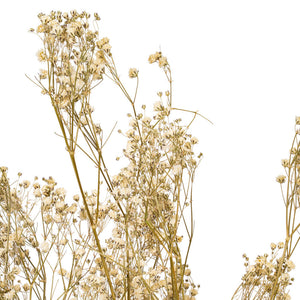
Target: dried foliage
121,240
269,277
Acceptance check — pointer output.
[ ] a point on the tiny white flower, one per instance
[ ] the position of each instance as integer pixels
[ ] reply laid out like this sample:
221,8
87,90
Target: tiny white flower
290,265
79,252
60,205
158,106
47,201
177,169
251,269
194,140
133,72
45,247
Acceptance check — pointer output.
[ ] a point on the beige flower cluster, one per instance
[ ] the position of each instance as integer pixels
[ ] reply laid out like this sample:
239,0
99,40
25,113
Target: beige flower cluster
268,270
73,55
45,240
122,240
157,57
160,154
269,277
24,248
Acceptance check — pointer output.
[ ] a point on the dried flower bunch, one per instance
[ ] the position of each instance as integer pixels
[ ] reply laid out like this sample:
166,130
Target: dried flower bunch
122,240
37,228
269,277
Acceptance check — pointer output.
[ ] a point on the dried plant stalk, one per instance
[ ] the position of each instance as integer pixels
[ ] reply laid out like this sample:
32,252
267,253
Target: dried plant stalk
122,240
269,277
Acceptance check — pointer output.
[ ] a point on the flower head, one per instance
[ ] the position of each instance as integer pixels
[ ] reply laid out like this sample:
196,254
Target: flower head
45,247
133,72
280,178
41,55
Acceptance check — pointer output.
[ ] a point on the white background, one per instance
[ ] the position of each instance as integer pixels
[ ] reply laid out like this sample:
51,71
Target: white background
237,62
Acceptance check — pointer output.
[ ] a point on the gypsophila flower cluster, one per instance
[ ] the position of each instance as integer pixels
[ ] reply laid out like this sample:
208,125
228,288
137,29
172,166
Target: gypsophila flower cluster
160,152
125,240
41,234
73,55
269,277
267,271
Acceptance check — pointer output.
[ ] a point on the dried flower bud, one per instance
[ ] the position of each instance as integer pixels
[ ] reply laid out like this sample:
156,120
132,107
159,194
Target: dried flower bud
133,73
3,169
162,62
41,55
187,272
45,247
290,265
26,184
280,178
285,163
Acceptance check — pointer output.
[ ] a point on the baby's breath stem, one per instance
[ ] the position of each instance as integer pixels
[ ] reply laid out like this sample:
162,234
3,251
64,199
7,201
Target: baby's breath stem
94,230
173,276
275,286
8,205
128,285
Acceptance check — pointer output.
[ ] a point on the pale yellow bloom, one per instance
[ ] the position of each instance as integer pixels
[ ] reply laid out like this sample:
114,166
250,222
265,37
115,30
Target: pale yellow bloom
59,205
102,42
133,72
177,169
280,178
44,18
290,265
44,246
162,62
79,253
26,184
62,272
106,47
154,57
40,28
43,74
9,295
41,55
158,106
273,246
194,140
